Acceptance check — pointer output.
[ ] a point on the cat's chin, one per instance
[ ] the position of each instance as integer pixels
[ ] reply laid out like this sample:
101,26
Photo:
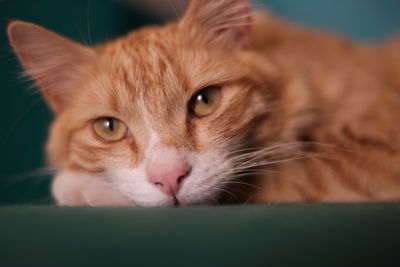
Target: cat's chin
175,202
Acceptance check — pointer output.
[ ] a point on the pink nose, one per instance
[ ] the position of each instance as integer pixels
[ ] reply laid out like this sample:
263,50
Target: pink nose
170,182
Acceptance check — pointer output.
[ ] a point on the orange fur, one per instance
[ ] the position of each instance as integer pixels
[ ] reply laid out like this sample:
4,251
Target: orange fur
324,106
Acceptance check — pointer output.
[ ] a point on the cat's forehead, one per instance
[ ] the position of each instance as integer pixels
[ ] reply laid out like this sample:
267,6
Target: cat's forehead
155,70
162,58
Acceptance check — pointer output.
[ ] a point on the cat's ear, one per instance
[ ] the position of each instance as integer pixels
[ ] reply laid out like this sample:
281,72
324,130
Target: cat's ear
50,59
223,22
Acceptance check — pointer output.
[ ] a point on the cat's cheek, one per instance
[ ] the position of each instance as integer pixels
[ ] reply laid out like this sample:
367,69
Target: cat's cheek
134,185
72,188
211,172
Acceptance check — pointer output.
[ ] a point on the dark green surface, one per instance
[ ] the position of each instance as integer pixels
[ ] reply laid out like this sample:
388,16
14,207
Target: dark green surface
279,235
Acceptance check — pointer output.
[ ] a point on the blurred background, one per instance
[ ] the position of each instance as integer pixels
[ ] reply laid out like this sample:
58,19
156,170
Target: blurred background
25,117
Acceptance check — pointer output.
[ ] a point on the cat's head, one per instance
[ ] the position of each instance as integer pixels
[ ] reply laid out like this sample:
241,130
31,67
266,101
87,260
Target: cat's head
160,114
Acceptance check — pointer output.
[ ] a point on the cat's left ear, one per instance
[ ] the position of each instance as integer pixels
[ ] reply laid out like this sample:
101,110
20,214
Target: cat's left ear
222,22
50,59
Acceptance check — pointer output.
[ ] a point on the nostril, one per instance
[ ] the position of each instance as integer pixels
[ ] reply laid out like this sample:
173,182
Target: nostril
183,177
159,184
180,179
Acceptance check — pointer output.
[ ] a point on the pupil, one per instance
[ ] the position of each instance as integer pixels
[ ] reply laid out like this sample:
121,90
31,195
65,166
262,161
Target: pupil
110,124
203,98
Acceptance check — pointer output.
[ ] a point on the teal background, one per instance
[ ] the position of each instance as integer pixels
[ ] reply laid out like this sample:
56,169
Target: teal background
24,116
365,20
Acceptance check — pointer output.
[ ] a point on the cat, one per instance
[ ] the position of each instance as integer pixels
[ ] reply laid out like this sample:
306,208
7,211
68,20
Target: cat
225,105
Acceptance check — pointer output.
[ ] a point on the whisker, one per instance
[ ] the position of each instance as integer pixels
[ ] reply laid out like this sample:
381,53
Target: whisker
212,197
41,174
225,191
19,119
243,183
88,23
173,8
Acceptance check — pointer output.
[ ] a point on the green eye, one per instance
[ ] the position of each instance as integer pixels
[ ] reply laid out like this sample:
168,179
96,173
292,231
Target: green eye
205,102
109,129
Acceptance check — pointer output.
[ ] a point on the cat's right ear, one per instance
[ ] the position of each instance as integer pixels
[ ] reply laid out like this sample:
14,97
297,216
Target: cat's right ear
50,59
223,22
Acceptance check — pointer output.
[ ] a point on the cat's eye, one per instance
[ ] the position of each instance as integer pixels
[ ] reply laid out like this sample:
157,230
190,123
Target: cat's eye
205,102
110,129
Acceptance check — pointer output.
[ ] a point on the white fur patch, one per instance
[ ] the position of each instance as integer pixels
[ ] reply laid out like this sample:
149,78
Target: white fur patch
131,186
81,189
209,172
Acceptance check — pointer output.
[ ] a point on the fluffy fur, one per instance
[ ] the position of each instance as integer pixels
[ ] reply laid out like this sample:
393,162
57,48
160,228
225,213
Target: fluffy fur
304,116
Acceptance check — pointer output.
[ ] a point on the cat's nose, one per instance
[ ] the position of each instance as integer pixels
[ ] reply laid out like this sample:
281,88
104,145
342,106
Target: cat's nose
170,182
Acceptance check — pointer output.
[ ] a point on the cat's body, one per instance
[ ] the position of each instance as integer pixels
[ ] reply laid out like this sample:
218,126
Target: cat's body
354,95
299,116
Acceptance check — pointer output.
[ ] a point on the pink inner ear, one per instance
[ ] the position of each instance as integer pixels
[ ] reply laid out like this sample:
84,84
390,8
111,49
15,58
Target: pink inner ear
48,58
224,22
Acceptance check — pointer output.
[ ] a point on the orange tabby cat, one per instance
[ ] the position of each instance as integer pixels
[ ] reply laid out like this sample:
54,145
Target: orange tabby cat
221,106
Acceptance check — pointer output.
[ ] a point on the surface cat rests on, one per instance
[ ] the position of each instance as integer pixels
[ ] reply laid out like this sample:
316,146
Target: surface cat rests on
222,106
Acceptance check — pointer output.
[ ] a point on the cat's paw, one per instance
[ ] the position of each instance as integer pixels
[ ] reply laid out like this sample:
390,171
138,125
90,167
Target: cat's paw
77,189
